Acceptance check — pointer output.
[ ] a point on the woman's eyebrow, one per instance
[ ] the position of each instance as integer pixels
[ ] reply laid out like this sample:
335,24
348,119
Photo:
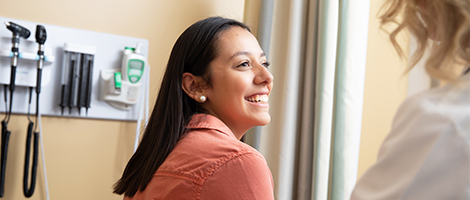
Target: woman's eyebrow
245,53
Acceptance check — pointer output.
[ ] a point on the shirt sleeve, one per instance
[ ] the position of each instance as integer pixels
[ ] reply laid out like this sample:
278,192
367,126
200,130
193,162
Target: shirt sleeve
245,177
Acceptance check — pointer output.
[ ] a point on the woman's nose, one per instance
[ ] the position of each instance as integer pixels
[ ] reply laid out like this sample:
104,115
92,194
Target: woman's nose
263,76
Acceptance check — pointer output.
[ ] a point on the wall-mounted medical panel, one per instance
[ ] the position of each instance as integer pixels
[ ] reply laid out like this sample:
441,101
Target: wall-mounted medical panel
69,53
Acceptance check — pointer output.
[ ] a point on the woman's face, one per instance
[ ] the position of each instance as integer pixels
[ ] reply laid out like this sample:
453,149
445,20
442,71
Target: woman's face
240,82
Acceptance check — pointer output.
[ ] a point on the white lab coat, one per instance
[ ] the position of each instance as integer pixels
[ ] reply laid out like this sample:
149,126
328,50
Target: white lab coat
427,153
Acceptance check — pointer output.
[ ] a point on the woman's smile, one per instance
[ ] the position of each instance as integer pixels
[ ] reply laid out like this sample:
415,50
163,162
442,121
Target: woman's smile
258,98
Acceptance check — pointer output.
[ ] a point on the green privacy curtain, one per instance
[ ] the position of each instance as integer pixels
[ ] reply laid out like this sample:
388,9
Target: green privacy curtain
318,52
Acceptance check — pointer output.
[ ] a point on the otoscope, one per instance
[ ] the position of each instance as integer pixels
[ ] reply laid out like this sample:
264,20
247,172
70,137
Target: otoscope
18,31
28,191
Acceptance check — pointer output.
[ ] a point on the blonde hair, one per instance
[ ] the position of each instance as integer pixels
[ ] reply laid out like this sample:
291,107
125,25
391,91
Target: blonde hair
452,19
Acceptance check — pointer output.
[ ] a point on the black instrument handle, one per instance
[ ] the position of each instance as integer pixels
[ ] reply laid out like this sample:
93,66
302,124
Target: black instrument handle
3,164
12,78
38,81
28,191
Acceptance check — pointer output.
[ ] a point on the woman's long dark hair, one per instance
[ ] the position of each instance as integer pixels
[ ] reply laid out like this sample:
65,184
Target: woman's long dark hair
193,51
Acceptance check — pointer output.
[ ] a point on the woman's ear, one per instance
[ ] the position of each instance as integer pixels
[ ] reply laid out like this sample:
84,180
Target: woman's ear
193,86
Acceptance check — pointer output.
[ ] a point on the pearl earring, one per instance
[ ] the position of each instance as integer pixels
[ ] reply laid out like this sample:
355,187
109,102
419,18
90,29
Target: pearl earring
202,99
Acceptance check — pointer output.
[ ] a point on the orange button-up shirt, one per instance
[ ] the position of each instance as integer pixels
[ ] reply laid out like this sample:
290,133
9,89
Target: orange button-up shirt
210,163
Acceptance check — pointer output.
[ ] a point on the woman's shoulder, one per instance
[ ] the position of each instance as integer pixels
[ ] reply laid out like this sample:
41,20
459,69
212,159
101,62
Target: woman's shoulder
202,151
430,132
248,171
212,145
430,115
449,102
208,136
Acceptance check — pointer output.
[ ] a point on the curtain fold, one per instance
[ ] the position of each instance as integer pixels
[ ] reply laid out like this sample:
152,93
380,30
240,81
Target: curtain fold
318,51
303,171
325,82
349,93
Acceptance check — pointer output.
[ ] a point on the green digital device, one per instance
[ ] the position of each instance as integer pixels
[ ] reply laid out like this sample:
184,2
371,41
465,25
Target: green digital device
132,66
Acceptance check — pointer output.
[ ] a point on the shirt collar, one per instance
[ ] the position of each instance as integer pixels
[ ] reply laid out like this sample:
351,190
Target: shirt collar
206,121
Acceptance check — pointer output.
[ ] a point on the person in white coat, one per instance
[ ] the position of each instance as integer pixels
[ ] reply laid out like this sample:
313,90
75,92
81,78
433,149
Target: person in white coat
427,153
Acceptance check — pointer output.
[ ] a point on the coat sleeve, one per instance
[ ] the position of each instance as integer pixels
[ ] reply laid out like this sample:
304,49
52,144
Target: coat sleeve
244,177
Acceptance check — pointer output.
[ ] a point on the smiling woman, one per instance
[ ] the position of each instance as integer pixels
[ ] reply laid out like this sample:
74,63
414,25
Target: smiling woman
241,82
215,88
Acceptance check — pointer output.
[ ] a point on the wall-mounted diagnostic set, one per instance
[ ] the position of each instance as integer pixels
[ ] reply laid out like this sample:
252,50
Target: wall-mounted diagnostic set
74,61
29,177
78,73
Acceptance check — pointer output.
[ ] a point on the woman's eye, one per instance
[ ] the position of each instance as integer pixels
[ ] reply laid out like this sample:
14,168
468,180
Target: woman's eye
266,64
244,64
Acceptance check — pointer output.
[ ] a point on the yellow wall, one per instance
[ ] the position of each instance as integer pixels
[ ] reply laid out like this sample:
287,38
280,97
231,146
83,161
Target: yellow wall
384,89
251,15
85,157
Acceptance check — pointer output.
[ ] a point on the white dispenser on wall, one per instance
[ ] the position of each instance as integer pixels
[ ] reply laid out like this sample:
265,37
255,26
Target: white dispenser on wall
121,87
